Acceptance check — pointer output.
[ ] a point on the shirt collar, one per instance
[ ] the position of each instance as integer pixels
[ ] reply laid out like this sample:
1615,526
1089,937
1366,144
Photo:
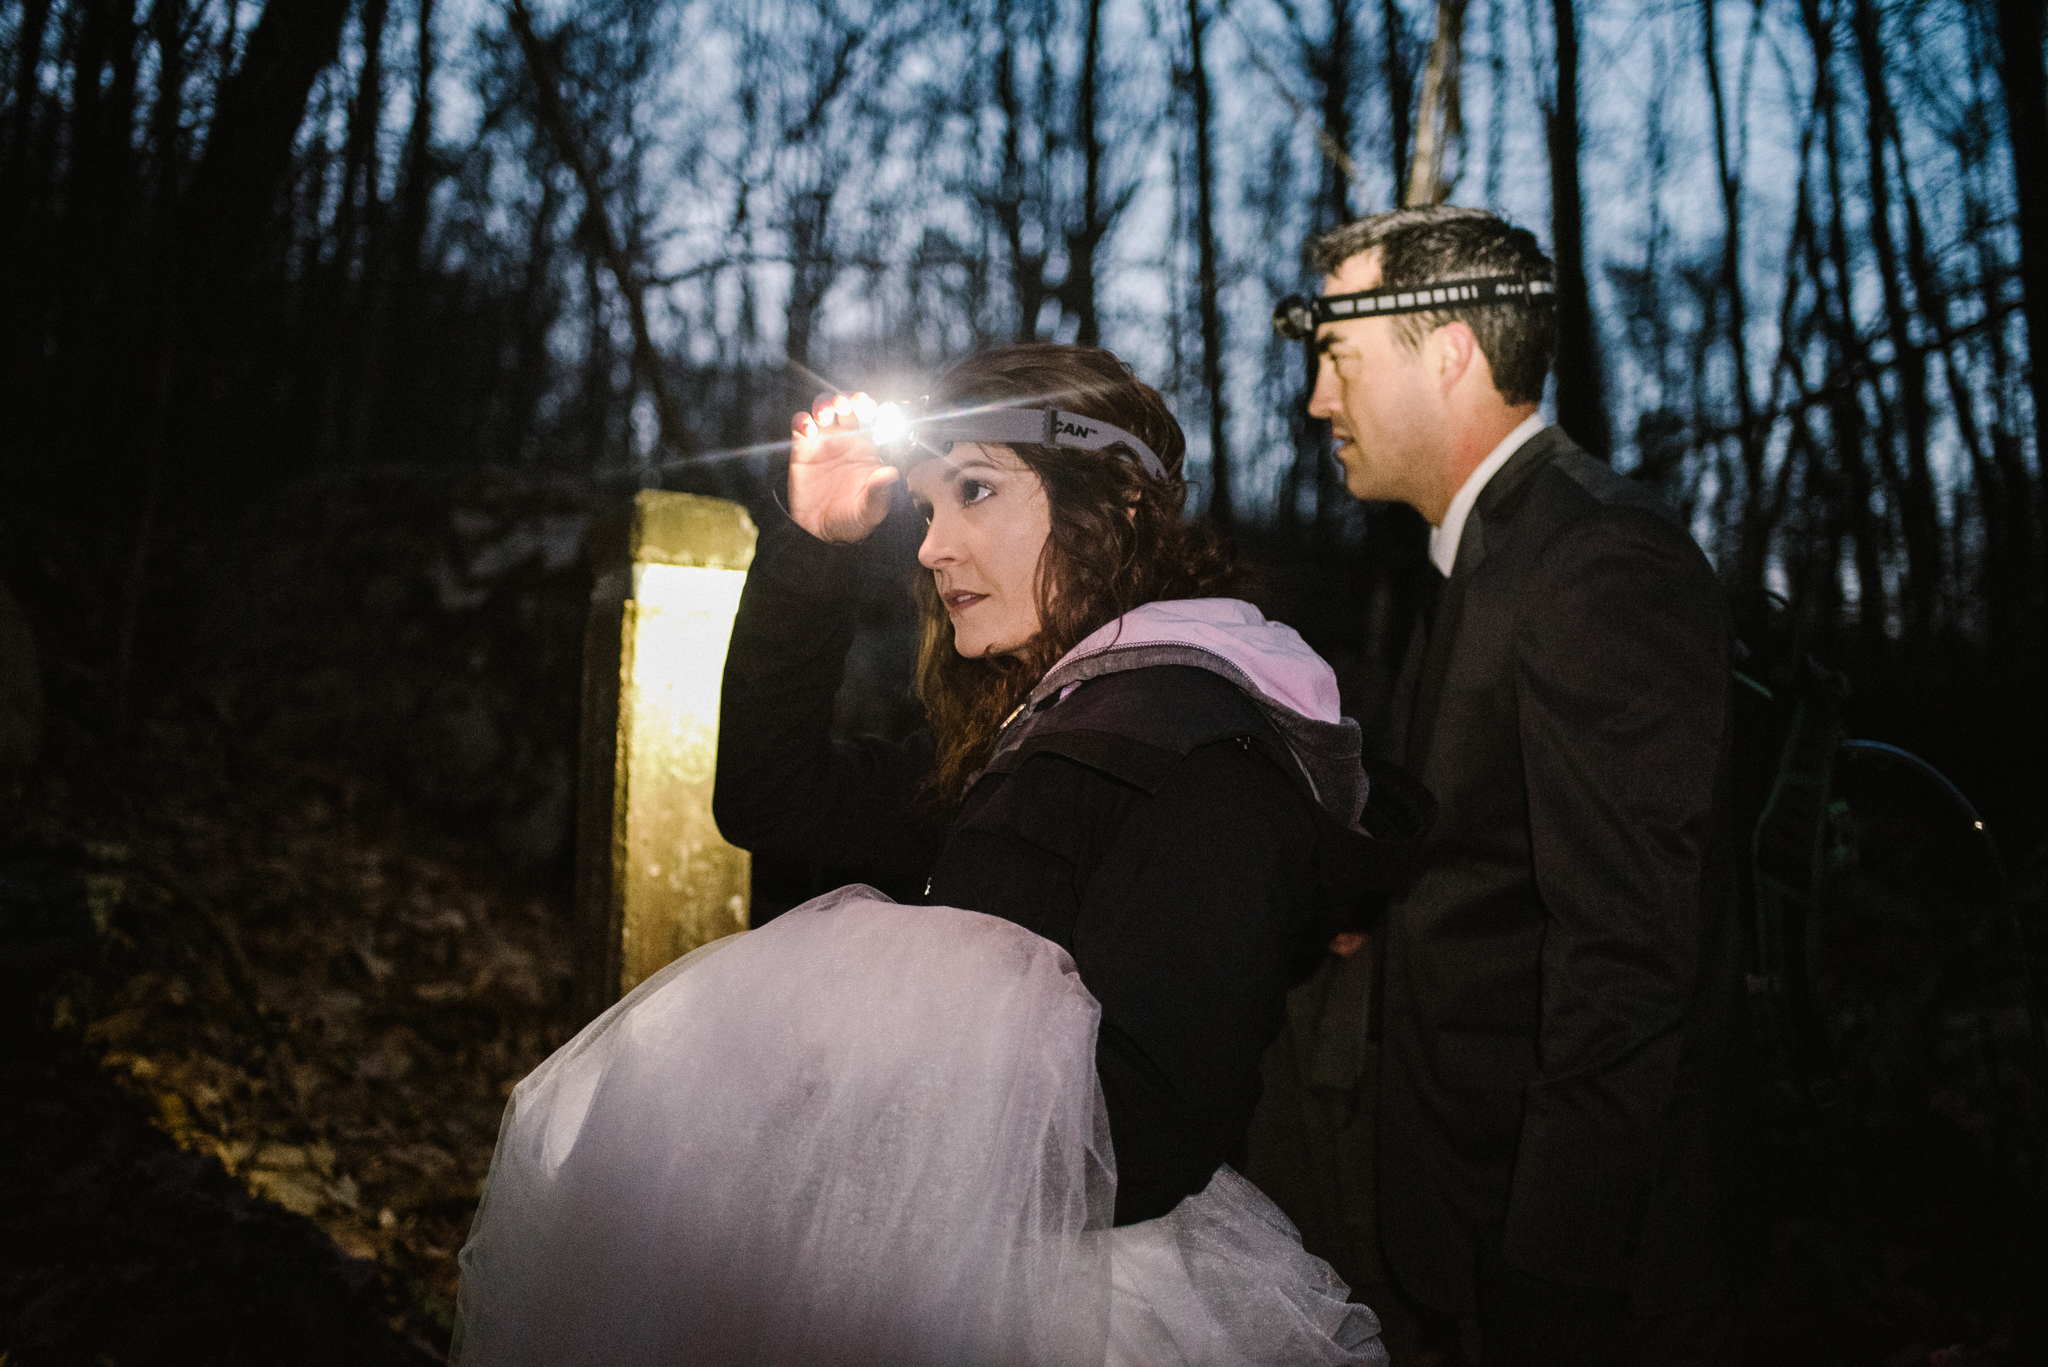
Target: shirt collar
1443,540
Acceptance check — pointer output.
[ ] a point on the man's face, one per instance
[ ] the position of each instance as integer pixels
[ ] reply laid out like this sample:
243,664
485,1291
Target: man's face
1384,402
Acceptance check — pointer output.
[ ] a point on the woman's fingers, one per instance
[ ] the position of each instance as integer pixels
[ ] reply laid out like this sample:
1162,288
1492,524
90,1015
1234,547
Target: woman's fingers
843,410
838,485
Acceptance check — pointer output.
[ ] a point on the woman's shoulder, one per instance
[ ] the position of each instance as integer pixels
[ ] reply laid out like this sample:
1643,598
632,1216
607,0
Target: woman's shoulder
1137,725
1181,706
1226,636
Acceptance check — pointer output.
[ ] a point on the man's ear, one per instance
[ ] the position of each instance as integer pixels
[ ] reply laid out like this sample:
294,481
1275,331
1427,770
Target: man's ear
1456,349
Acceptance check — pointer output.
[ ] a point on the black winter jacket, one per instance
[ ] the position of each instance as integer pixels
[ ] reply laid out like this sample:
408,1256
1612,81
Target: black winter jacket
1153,823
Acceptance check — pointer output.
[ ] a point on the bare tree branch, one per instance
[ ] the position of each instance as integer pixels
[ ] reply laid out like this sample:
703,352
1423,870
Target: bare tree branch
647,362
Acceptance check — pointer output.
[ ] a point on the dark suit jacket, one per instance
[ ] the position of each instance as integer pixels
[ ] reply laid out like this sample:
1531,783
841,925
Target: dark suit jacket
1556,984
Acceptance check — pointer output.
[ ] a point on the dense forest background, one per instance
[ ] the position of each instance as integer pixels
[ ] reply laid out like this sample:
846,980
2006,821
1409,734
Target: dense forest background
618,240
334,334
615,243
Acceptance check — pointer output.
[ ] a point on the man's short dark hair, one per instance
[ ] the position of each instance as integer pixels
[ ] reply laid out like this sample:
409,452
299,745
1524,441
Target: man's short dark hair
1424,246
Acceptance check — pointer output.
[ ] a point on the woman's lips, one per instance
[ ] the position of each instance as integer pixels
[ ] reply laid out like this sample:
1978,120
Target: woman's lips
960,598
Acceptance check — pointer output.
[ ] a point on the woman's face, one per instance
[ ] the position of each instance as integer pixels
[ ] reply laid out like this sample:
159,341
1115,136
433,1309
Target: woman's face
986,519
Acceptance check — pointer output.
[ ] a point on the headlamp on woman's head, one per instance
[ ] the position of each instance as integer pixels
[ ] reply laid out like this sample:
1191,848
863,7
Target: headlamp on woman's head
1297,317
898,430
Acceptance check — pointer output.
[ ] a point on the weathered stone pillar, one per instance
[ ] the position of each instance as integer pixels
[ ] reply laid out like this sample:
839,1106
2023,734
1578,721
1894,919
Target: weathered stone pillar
654,878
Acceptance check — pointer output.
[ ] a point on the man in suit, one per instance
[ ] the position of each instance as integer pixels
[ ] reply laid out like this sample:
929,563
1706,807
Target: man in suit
1502,1116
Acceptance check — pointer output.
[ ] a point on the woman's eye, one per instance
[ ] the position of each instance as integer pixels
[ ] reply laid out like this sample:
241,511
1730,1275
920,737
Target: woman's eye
973,491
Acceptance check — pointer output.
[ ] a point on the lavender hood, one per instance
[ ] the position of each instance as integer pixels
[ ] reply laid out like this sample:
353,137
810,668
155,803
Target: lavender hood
1269,662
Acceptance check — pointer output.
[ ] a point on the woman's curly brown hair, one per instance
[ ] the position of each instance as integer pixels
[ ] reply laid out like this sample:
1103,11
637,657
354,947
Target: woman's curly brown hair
1117,539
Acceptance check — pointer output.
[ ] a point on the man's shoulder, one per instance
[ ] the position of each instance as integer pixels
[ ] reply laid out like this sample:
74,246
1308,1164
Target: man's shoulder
1571,495
1568,482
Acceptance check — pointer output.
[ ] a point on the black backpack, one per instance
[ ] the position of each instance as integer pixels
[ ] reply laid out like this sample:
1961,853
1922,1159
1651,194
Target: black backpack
1889,964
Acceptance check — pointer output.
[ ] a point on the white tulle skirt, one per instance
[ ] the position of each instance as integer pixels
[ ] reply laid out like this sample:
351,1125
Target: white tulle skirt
864,1134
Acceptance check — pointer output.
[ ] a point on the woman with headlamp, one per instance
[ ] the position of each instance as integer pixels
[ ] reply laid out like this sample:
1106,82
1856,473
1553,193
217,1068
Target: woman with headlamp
1136,818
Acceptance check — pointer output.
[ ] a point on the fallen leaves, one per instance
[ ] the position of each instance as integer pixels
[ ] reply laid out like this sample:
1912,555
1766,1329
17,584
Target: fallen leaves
330,1004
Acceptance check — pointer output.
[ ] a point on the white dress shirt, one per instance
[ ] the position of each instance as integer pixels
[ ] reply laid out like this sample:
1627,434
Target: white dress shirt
1443,540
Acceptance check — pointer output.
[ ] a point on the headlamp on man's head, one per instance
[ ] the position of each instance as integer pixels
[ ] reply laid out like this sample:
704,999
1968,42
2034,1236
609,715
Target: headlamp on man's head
1297,318
900,430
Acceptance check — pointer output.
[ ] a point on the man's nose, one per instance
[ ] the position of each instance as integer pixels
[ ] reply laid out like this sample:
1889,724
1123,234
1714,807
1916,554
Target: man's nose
1322,400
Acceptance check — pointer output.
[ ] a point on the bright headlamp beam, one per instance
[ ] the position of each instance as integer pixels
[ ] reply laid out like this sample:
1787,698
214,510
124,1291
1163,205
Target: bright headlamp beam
891,426
1297,318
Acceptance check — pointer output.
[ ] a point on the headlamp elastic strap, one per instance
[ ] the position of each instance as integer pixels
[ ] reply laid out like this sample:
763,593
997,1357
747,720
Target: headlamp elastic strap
1036,427
1298,317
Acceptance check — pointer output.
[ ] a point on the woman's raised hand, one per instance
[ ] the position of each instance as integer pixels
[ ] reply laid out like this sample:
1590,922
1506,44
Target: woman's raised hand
838,485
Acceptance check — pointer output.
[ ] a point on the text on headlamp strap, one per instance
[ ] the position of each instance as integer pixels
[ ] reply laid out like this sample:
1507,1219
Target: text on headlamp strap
1298,317
1434,296
1038,427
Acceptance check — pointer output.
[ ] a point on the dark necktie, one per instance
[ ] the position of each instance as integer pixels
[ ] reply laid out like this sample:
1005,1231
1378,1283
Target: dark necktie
1432,597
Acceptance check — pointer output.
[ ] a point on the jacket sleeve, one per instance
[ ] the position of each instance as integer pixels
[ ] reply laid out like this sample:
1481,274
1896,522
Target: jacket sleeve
784,786
1186,935
1621,687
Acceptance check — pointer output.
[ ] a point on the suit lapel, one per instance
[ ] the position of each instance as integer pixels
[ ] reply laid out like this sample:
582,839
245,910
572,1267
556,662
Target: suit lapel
1436,659
1491,509
1405,702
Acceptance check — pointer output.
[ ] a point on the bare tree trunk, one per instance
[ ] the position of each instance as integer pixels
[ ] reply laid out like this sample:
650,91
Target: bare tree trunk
228,212
2005,568
1400,87
167,136
352,276
2017,505
1657,155
534,314
1802,460
1330,67
1848,426
1077,291
1013,191
98,193
359,149
1581,405
1221,508
399,256
28,58
2020,35
647,363
23,366
811,272
167,130
1496,95
1919,516
419,141
1439,124
597,368
162,321
1753,536
249,143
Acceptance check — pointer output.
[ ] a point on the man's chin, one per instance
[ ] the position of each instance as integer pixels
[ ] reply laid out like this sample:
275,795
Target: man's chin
1366,490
